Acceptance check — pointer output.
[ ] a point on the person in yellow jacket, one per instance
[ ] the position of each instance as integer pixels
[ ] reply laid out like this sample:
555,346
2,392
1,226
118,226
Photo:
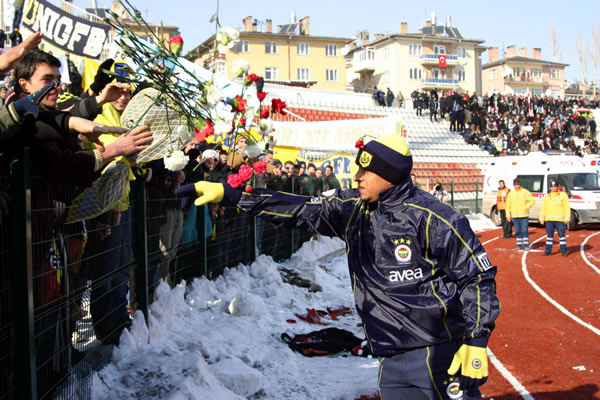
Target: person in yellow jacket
556,214
518,203
501,196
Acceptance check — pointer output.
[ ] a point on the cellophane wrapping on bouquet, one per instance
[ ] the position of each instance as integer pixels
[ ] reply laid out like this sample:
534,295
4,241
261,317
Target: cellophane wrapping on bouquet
169,129
169,133
103,195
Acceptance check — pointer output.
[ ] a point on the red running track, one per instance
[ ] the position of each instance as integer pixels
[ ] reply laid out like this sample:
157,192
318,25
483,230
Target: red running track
545,353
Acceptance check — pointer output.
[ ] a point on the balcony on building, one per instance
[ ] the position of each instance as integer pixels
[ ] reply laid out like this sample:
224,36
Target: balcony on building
431,83
524,80
430,59
364,60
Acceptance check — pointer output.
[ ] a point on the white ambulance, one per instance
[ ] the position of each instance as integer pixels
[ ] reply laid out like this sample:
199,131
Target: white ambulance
577,176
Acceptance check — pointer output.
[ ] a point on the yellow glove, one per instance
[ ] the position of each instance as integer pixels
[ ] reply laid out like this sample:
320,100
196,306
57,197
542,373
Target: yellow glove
473,363
207,192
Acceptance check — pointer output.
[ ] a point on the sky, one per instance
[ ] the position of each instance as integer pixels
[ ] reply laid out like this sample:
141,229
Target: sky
499,23
221,339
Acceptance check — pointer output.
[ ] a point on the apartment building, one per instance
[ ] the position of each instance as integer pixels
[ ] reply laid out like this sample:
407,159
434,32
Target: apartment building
437,56
522,73
289,56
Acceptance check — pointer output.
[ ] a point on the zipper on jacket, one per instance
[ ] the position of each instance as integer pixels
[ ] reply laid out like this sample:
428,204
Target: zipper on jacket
377,233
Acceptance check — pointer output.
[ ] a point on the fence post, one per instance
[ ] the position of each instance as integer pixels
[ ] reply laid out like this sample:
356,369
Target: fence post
452,193
141,246
201,218
292,232
22,258
253,239
476,197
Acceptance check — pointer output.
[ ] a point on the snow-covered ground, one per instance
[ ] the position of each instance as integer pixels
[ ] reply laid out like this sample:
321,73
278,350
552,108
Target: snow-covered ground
221,339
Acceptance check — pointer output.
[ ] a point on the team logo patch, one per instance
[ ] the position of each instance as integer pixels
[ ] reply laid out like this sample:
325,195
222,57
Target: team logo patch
476,363
365,159
484,261
453,391
403,254
316,200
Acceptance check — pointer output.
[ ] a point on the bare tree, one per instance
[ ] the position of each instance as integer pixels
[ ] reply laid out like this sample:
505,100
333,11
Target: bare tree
595,55
583,55
554,44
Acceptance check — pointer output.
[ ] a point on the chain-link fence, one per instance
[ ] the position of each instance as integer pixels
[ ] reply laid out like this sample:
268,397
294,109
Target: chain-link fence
68,290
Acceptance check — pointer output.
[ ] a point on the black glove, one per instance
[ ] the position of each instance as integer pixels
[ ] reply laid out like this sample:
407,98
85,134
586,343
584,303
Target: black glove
102,78
30,104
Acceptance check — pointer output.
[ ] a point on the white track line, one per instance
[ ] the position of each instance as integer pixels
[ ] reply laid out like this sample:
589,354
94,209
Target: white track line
518,386
583,253
550,299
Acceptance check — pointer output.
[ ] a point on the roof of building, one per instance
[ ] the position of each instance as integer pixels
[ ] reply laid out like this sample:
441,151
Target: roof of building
519,59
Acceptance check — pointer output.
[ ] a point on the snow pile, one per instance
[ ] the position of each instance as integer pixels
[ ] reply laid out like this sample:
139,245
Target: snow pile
222,339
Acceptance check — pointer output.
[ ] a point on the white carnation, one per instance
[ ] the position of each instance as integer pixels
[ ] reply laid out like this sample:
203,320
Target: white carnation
265,126
184,133
213,95
223,127
227,36
176,161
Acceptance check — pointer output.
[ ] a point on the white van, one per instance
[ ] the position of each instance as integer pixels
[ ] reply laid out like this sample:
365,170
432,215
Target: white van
576,175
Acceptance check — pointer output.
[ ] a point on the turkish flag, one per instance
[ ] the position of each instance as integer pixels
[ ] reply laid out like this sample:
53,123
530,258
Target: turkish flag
442,61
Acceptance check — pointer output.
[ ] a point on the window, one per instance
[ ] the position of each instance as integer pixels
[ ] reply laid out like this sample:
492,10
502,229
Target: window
303,74
270,73
461,75
537,92
220,68
533,183
331,50
242,46
415,73
439,73
439,49
271,47
384,53
554,74
414,49
331,75
461,52
302,49
536,73
493,73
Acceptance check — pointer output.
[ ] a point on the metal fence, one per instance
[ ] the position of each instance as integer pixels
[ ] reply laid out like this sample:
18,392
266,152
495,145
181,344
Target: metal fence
68,290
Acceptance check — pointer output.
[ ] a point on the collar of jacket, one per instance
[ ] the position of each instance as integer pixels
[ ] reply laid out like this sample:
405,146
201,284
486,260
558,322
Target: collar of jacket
397,193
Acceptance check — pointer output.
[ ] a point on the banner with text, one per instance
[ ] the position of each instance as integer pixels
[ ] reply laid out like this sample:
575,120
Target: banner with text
64,30
334,136
343,166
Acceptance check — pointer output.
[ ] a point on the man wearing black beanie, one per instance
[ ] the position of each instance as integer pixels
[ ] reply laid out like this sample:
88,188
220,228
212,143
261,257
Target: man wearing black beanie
423,284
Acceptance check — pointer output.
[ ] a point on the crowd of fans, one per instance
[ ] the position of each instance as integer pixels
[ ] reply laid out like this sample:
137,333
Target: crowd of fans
72,135
514,124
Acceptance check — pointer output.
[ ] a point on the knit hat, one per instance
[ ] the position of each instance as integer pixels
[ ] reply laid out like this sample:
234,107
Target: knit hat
387,156
206,154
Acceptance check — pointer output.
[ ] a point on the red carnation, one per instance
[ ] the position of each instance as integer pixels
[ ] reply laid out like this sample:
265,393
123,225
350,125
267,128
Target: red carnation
278,106
261,95
253,78
242,121
260,167
264,114
249,189
208,130
237,104
245,172
359,144
234,181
